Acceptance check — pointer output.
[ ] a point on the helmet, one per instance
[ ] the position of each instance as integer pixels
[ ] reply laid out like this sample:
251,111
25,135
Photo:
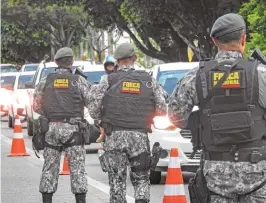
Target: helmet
108,60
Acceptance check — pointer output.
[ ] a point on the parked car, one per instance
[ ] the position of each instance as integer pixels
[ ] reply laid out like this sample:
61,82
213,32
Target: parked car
6,68
19,98
163,131
29,67
7,86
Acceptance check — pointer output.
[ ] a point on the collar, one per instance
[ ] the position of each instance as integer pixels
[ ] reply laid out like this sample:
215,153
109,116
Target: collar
228,55
63,70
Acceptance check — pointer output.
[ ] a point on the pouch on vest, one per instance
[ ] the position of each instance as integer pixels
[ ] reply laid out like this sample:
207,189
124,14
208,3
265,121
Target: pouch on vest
232,127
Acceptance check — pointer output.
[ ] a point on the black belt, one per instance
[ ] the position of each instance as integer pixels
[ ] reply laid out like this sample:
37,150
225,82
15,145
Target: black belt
115,128
65,120
253,155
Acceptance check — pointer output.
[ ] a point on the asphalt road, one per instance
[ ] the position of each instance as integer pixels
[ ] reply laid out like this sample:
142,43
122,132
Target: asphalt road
20,176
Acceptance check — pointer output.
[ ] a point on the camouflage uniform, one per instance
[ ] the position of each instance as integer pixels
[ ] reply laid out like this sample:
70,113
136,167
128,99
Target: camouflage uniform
229,180
57,135
125,145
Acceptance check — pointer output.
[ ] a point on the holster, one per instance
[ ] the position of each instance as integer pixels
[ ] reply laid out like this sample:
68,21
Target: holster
108,128
195,127
84,132
156,153
38,139
44,124
198,190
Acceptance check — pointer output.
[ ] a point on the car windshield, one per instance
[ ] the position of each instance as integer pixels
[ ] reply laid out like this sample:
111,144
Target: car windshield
168,79
94,76
8,68
23,79
30,68
7,81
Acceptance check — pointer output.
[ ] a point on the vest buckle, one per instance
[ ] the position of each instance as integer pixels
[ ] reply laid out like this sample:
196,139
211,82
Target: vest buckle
206,112
234,152
251,107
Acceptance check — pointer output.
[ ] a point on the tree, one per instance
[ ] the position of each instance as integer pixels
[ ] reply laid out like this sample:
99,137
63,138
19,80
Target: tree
96,39
20,43
172,25
57,25
255,15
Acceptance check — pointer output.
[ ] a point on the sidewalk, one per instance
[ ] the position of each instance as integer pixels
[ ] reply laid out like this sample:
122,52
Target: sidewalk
20,178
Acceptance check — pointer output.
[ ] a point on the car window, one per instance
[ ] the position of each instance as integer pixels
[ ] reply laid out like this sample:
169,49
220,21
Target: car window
30,68
46,71
23,79
94,76
8,68
7,81
168,79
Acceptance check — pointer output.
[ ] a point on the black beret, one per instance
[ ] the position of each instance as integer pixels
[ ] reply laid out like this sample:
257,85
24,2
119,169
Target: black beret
227,24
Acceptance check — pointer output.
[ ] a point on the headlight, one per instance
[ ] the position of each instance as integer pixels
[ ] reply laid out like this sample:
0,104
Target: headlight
22,100
163,123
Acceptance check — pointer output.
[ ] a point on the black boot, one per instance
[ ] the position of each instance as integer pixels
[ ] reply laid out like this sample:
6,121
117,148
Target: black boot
80,198
140,201
47,197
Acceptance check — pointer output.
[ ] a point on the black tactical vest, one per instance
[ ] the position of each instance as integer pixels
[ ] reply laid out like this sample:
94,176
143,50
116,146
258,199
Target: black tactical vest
129,101
230,113
61,97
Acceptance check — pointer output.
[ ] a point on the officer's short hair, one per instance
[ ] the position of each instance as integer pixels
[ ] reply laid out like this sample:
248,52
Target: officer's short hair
65,61
231,37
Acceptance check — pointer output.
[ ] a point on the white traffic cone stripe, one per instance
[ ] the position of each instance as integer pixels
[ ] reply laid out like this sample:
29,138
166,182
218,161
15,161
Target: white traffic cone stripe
174,162
174,190
18,135
17,122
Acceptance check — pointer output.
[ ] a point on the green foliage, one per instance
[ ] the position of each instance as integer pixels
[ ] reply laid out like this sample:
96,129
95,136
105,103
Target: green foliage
254,13
38,25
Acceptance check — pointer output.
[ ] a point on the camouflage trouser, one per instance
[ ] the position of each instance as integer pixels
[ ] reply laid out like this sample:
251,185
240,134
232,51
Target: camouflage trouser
60,133
128,148
118,176
231,181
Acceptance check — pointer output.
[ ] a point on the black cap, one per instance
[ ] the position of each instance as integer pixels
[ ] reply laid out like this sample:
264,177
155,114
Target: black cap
227,24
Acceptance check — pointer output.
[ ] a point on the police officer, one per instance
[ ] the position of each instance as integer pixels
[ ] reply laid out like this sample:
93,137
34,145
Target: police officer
231,93
61,98
126,103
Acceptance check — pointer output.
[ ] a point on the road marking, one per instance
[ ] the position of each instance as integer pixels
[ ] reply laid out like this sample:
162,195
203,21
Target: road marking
92,182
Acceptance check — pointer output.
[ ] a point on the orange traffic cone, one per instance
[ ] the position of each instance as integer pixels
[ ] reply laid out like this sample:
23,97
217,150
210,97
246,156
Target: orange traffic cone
18,146
174,190
65,170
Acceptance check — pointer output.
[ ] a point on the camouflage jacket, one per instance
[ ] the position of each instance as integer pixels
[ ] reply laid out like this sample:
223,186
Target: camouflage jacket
185,97
38,95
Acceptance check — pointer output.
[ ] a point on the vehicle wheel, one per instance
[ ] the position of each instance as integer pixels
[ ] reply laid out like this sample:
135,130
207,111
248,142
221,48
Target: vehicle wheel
29,127
155,177
10,121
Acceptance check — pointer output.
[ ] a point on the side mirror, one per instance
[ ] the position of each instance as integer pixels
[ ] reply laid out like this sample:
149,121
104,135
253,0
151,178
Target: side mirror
28,85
